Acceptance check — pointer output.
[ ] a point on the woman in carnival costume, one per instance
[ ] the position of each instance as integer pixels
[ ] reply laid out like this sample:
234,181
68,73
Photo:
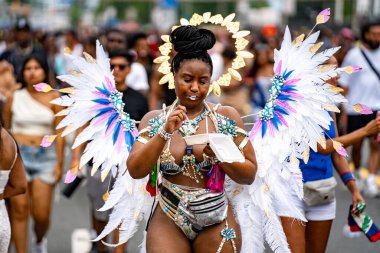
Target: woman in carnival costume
196,203
185,194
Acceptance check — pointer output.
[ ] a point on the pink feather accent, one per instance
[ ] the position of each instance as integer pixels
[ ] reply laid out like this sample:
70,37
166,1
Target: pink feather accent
292,94
356,68
99,94
255,129
109,84
111,128
42,87
291,81
339,148
278,68
323,16
271,128
352,69
342,151
367,111
362,109
120,140
99,106
282,119
47,140
103,117
69,177
285,105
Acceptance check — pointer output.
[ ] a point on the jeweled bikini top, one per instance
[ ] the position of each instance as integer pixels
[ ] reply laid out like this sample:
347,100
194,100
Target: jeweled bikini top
222,124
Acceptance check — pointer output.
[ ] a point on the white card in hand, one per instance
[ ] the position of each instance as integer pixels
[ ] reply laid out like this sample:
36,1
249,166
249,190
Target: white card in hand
197,139
225,149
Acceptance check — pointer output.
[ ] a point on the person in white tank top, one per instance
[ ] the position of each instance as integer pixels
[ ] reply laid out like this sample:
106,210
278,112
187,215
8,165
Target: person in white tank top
12,182
30,116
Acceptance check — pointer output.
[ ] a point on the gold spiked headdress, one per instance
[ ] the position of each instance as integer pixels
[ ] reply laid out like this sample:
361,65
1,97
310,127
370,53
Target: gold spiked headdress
240,44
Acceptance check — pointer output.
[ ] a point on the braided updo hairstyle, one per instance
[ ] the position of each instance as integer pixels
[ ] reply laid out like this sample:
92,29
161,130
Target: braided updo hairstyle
191,42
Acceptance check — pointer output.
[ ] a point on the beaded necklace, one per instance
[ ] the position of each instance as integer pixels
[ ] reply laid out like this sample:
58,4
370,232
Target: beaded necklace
190,127
189,167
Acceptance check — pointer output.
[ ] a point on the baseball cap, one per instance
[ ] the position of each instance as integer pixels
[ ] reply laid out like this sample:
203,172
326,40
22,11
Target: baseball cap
22,24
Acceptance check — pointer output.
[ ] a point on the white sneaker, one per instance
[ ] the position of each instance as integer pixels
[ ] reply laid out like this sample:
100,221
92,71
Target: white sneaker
347,232
371,188
40,247
359,180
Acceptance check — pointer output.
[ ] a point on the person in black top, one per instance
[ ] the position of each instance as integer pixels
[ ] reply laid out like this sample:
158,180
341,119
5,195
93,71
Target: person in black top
23,48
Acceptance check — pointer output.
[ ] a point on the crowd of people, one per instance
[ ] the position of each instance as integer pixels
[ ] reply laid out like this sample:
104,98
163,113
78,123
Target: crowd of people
31,57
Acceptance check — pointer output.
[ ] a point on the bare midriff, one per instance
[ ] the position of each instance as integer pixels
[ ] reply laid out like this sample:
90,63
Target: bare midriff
28,140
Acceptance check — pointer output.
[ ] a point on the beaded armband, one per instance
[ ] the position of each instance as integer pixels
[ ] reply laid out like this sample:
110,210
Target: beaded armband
152,129
228,126
144,136
155,124
241,138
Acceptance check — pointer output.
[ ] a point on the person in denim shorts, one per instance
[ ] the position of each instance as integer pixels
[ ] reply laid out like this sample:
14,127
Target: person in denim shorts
30,116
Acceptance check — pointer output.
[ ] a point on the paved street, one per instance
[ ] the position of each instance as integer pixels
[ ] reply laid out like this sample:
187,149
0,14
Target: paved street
70,222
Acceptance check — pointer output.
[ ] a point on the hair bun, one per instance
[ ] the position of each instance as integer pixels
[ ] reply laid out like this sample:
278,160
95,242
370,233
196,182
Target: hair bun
190,38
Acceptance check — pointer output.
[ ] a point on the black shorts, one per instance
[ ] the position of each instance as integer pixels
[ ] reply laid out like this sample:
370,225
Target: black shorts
358,121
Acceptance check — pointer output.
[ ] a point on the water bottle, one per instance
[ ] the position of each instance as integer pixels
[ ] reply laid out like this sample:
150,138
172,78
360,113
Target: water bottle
69,189
377,136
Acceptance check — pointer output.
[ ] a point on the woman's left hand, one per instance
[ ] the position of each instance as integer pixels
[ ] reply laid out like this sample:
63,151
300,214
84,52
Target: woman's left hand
356,198
57,173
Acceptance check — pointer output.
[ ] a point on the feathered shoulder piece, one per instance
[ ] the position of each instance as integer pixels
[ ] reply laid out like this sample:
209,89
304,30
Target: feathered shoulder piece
93,101
297,112
292,121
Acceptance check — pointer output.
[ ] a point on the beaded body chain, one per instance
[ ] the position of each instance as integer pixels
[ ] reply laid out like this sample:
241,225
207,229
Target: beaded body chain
190,166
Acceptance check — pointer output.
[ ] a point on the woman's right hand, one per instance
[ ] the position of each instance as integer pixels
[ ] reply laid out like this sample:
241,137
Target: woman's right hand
175,119
373,127
356,198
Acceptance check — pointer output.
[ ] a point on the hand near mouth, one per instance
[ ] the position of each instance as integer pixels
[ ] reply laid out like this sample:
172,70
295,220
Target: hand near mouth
175,119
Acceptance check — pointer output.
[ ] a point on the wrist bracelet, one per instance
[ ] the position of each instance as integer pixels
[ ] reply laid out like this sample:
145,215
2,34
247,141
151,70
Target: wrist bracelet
164,135
347,176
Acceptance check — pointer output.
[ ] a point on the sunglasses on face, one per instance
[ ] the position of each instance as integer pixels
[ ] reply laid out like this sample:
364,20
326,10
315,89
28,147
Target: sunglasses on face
121,67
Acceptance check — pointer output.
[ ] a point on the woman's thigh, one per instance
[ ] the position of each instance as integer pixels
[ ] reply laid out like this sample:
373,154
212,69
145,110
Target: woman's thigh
295,234
317,236
208,241
164,236
41,195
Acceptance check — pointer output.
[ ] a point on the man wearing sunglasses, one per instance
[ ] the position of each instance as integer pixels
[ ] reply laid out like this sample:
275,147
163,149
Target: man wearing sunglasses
135,103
